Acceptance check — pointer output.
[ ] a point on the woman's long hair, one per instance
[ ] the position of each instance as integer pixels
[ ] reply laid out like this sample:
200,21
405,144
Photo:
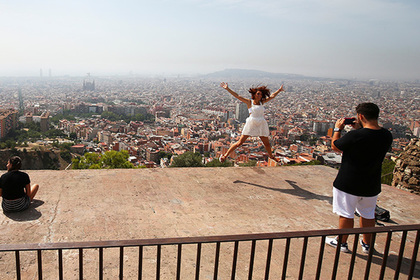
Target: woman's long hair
263,89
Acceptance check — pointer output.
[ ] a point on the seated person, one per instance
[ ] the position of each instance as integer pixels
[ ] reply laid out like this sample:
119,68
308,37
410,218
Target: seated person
15,187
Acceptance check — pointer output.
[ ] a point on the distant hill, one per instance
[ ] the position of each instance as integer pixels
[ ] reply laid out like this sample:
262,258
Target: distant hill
244,73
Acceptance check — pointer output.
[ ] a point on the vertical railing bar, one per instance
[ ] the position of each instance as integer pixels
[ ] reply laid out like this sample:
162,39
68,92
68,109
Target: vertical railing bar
101,263
39,253
60,264
198,262
400,255
320,257
235,259
178,263
216,261
251,259
81,264
369,259
353,256
121,262
268,263
414,257
337,257
286,258
17,264
303,257
385,256
159,251
140,262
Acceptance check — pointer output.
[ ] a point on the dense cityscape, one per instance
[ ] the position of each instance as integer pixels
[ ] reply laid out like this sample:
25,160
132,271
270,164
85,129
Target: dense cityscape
156,119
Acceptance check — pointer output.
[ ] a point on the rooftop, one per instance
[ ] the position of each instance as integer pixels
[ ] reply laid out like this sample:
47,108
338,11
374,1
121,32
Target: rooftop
91,205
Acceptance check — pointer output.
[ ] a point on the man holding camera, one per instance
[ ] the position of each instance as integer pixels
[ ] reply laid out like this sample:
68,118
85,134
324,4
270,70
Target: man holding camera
358,182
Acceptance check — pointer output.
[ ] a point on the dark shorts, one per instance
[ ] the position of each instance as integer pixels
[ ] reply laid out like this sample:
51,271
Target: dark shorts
16,205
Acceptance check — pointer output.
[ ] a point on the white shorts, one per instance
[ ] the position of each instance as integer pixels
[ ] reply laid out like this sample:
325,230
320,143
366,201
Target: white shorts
345,204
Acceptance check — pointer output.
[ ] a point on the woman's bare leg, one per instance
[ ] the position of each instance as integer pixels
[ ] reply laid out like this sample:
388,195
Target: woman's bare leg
234,146
267,146
32,191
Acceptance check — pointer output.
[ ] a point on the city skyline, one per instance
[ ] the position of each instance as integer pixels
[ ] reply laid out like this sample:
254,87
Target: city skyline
335,39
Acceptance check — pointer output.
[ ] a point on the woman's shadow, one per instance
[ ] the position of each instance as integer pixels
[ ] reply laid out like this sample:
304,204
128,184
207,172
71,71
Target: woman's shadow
29,214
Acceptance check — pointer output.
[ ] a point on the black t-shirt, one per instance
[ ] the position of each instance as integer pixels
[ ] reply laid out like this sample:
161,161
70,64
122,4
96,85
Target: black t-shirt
13,184
363,153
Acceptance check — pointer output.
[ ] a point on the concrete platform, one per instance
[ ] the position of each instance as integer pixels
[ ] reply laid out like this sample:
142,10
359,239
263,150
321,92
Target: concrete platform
91,205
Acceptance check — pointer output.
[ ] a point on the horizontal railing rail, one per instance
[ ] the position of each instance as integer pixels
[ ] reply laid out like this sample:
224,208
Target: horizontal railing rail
179,242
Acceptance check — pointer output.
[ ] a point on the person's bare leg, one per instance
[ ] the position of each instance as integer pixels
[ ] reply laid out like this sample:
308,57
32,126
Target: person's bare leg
234,146
345,223
267,146
32,191
367,223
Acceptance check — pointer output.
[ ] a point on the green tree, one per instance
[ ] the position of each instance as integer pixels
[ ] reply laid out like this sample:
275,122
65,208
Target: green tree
187,159
114,159
86,161
65,155
387,171
108,160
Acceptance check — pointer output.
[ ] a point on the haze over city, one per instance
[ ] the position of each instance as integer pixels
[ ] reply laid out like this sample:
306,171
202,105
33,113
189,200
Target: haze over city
367,39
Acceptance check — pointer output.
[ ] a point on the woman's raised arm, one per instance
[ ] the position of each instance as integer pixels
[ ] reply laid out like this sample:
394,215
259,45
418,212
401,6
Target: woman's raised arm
274,94
226,87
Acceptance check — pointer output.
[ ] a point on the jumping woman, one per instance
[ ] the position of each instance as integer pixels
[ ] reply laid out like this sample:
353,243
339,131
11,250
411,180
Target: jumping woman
255,125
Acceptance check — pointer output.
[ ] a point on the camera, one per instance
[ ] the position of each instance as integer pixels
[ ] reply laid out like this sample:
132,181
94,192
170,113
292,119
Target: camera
349,120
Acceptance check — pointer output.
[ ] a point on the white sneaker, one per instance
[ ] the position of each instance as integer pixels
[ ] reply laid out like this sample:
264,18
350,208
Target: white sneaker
365,247
333,242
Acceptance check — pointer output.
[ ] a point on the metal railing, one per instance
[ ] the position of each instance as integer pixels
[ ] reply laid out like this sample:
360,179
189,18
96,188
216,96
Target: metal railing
264,256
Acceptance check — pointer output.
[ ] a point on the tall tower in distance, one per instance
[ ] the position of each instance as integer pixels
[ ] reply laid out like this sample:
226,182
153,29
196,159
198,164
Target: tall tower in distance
88,83
241,112
21,107
40,73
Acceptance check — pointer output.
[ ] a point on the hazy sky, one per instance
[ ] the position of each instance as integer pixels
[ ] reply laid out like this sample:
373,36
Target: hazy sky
329,38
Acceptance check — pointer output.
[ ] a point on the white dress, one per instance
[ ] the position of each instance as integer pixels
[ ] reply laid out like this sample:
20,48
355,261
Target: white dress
255,124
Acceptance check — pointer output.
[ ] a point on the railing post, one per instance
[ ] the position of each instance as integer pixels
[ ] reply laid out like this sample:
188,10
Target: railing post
81,264
140,262
286,258
121,262
198,262
337,257
251,260
17,257
216,261
385,256
269,250
414,257
400,255
320,257
369,259
158,257
101,263
303,257
235,259
39,253
60,264
178,264
353,256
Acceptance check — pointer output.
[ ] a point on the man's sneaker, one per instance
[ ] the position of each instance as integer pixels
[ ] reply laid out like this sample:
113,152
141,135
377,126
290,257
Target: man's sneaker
365,247
333,242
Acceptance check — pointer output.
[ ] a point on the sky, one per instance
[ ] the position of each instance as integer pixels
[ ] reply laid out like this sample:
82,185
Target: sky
363,39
